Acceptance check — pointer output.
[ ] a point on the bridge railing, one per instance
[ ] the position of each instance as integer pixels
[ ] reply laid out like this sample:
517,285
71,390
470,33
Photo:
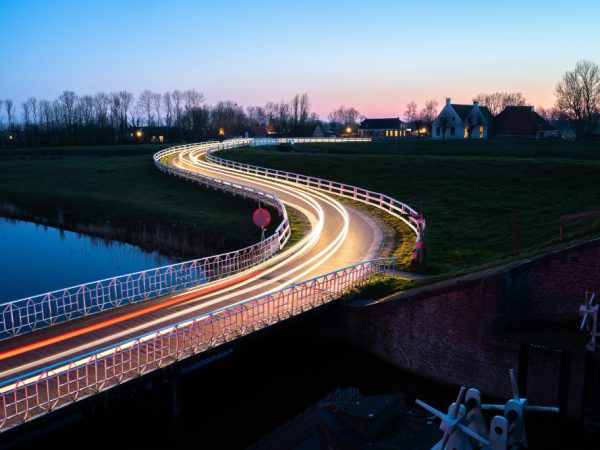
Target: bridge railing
392,206
40,392
24,315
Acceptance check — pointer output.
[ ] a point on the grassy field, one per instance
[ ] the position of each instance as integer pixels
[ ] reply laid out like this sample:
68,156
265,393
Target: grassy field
468,191
120,186
499,148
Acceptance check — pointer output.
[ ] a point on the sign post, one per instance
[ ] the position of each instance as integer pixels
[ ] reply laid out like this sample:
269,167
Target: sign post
261,219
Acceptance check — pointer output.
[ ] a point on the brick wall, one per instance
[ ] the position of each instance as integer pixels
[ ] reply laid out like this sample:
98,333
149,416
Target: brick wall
459,331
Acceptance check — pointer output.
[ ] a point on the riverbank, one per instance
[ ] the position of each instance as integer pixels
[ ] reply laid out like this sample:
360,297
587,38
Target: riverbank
116,193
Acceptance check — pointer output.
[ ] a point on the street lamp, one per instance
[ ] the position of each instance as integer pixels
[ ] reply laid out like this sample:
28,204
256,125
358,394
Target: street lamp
138,134
348,130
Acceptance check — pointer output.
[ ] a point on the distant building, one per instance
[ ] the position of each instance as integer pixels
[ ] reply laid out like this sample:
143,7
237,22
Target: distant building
462,122
523,122
322,131
257,132
381,128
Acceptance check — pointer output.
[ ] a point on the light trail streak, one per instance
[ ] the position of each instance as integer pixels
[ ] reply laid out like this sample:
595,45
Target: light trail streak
191,160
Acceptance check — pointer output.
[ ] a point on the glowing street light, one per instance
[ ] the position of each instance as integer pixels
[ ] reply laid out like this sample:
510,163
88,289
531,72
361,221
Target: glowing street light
221,131
349,130
138,134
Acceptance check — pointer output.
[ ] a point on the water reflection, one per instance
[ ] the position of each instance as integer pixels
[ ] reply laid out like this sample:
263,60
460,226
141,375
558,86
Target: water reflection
36,259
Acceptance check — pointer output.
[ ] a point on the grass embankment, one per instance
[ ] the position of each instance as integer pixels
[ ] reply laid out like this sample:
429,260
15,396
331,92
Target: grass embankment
119,187
469,191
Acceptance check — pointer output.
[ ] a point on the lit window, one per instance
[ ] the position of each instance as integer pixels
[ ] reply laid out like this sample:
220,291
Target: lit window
387,133
480,131
396,133
466,132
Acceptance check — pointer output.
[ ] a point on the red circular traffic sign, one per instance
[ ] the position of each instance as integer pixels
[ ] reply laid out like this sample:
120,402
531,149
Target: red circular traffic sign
261,218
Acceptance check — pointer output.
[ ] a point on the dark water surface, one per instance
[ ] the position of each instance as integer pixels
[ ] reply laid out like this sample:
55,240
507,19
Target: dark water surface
35,259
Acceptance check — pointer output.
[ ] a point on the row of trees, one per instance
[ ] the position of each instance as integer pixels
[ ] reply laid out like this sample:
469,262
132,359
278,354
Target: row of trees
422,118
106,118
577,103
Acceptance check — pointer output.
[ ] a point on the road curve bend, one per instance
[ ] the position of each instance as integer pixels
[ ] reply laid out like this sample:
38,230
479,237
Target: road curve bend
339,236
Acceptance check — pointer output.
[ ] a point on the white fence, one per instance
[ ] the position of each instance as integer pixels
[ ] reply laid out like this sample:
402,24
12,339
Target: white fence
24,315
392,206
47,390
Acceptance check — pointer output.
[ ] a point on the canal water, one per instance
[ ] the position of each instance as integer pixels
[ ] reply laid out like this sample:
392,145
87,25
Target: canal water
35,259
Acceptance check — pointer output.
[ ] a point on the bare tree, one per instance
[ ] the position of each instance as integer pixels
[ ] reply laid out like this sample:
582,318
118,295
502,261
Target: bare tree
46,118
343,117
146,104
177,105
284,117
26,115
411,114
295,111
578,98
125,103
168,102
228,117
497,101
429,114
156,103
192,99
115,111
192,103
33,108
101,106
304,109
256,116
66,104
299,112
10,114
549,114
271,109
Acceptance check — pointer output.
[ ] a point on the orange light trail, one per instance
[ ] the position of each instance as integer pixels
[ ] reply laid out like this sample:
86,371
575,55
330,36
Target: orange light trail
106,323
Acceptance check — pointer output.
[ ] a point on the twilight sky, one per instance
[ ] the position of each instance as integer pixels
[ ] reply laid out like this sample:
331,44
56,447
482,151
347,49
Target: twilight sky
375,55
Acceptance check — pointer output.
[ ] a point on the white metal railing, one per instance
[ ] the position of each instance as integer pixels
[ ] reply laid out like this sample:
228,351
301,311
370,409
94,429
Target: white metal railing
376,199
64,383
24,315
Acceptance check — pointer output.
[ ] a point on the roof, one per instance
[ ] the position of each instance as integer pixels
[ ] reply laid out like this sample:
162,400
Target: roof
463,111
520,121
380,124
487,114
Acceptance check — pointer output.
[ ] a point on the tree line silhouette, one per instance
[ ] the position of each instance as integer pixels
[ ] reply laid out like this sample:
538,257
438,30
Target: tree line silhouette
177,116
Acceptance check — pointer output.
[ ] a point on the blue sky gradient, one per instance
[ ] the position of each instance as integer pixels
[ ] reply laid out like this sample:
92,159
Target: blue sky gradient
375,55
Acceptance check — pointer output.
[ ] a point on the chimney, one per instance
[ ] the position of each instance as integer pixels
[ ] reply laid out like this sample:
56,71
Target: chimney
448,100
475,103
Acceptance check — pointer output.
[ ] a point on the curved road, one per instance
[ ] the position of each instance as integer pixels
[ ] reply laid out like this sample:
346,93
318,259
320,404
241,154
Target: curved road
340,236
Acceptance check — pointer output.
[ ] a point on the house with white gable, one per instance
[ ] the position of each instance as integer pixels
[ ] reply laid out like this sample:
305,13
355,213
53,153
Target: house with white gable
462,122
